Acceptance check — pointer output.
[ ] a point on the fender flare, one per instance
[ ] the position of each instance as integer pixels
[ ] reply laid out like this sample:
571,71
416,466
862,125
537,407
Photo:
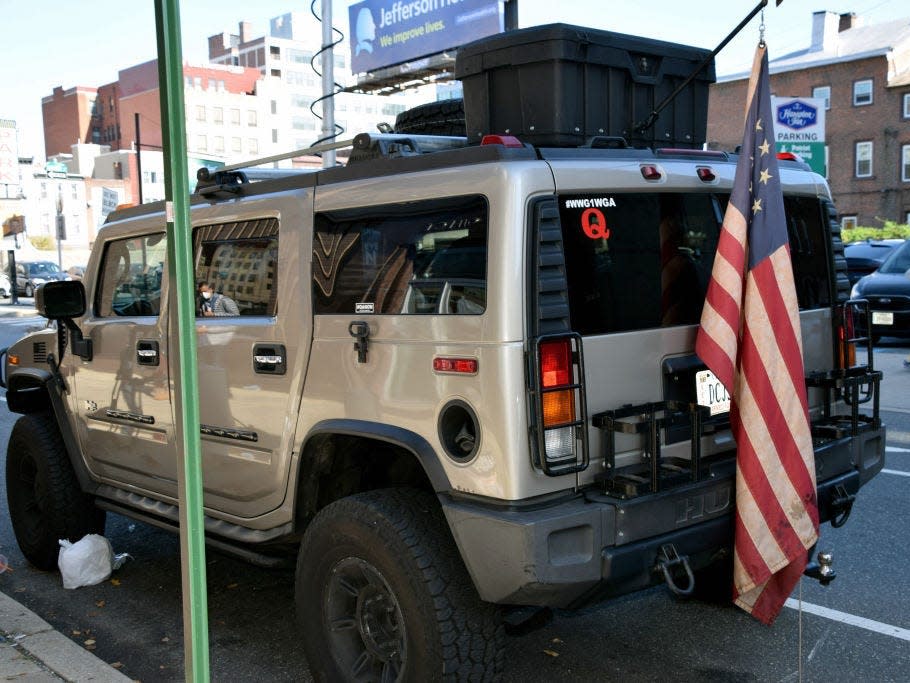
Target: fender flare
31,390
425,454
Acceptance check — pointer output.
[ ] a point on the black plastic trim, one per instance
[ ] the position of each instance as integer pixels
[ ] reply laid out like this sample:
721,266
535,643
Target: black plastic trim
429,459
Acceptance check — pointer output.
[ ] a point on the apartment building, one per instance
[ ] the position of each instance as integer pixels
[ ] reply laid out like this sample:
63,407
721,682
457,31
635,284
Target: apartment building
863,75
284,54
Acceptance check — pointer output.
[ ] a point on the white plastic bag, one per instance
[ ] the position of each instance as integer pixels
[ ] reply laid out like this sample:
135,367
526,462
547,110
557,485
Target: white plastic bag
86,562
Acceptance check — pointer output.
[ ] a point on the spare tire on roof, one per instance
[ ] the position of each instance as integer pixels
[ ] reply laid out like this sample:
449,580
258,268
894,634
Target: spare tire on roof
443,117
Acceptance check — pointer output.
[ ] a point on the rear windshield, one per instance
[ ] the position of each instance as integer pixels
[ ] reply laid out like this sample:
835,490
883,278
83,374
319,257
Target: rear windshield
643,260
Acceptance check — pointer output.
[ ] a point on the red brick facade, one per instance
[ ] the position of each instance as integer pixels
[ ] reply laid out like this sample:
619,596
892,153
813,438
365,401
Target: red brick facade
883,195
67,118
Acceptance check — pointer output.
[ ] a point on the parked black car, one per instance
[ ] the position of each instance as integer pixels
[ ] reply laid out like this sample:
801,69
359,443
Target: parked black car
866,256
32,274
888,292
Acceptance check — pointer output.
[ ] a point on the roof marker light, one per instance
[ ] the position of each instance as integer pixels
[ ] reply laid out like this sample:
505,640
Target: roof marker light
650,172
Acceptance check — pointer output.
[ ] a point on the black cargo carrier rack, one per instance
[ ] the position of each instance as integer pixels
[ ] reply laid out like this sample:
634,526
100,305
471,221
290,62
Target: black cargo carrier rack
856,385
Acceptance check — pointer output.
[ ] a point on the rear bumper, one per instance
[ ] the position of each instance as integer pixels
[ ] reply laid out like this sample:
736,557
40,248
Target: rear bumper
594,546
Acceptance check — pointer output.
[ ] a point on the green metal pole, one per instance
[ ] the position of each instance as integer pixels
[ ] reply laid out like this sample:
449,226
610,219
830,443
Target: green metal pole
182,299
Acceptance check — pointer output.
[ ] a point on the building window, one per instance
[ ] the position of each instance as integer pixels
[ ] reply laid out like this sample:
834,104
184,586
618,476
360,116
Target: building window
218,114
905,163
275,51
235,145
823,92
906,217
274,104
276,73
197,82
202,143
200,112
847,222
251,119
864,159
235,117
188,81
907,105
862,92
43,190
274,135
253,145
219,143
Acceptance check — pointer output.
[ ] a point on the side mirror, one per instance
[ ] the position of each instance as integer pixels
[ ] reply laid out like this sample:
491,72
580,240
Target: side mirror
64,300
60,299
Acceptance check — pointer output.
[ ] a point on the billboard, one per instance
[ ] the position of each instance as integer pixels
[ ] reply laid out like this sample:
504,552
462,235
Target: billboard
799,127
386,32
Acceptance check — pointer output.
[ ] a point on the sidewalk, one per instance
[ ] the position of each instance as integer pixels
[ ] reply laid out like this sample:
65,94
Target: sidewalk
31,650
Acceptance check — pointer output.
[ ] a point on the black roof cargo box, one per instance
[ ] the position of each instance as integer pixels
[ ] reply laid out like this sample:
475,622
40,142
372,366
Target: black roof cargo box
559,85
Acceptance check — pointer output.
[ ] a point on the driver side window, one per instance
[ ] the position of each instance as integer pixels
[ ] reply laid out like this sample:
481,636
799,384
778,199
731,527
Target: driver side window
131,274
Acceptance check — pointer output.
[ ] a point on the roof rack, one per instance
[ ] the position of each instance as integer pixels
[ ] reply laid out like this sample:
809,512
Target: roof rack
364,147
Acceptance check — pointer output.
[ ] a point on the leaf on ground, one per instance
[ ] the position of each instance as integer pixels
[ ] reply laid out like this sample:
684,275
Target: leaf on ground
231,586
100,603
115,582
557,640
117,665
77,633
551,653
90,642
165,639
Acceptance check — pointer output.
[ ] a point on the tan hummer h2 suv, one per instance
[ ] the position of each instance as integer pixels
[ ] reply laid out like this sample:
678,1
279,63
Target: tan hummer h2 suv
461,379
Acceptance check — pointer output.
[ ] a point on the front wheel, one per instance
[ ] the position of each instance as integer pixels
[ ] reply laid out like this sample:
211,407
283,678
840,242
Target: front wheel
29,290
382,595
43,495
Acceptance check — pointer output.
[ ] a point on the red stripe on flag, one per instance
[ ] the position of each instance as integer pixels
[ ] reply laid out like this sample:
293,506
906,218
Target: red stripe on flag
726,306
779,587
731,249
773,513
716,358
749,555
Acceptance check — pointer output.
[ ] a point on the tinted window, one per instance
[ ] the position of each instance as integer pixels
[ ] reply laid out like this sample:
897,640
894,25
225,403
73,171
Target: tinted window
131,273
415,258
239,260
641,261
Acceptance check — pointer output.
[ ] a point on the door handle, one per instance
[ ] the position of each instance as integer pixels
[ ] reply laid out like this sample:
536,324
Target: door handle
270,359
147,352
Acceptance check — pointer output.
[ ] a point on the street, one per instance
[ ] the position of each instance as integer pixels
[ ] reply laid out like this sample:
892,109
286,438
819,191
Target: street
862,633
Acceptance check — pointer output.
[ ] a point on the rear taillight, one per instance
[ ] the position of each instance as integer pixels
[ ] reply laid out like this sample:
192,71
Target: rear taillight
846,333
562,441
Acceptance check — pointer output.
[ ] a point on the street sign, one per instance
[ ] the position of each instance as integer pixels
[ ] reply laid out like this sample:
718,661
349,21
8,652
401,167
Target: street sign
799,127
61,227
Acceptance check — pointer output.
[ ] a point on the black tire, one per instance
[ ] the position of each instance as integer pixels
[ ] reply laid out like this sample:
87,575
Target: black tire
43,495
383,595
445,117
29,290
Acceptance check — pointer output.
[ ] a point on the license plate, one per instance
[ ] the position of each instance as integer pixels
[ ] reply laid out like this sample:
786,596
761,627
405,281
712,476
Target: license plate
711,393
882,318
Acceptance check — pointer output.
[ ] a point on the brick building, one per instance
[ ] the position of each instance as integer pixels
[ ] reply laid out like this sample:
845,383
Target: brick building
863,74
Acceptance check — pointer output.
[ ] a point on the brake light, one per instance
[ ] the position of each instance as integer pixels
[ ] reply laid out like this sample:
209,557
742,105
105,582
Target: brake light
846,333
561,407
504,140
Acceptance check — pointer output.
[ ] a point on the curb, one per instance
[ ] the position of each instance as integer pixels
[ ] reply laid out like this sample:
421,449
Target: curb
8,310
31,636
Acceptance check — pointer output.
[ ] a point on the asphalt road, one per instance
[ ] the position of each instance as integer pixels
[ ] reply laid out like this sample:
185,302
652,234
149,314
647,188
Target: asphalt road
136,618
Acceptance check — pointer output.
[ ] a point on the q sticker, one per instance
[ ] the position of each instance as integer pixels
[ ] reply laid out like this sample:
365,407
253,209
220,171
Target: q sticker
594,224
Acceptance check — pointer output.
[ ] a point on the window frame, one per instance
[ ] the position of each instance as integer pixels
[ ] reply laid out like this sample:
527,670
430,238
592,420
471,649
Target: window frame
905,163
826,98
857,158
848,221
905,112
857,95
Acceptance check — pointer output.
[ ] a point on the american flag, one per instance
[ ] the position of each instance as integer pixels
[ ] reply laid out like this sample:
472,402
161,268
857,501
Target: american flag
750,338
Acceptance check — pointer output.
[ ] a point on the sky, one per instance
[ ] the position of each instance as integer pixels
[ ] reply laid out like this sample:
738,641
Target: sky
49,43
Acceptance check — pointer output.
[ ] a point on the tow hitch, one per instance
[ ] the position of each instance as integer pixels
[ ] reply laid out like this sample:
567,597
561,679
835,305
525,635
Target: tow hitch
822,570
667,560
841,506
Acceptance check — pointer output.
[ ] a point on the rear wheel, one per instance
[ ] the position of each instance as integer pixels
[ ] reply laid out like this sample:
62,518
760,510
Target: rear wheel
445,117
382,595
43,495
29,290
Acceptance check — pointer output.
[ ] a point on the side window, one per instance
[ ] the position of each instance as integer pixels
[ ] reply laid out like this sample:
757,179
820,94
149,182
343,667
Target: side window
131,273
419,258
239,261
